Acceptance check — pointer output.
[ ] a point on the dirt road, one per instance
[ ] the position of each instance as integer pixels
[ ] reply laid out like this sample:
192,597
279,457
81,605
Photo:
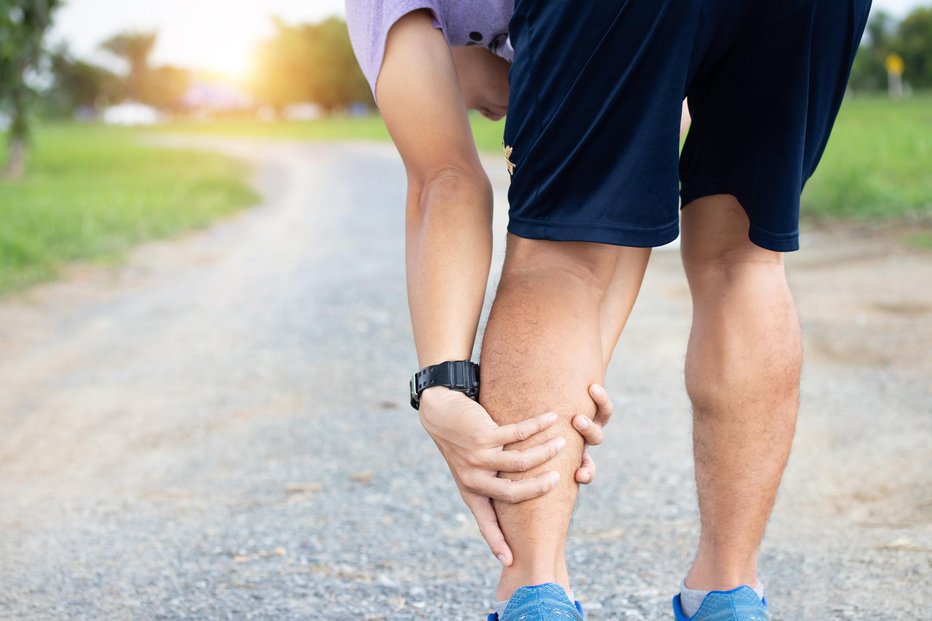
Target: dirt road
218,429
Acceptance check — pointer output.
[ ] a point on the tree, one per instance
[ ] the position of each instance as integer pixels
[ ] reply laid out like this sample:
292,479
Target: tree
23,24
162,87
914,43
336,79
135,48
283,68
868,72
911,39
165,87
309,63
80,84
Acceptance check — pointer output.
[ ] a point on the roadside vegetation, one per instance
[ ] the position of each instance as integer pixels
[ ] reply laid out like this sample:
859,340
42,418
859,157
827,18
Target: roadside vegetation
91,192
878,163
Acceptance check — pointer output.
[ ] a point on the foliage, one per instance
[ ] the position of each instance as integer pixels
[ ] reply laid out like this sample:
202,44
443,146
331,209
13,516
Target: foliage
22,28
78,84
165,86
162,87
135,48
309,63
910,38
93,191
914,43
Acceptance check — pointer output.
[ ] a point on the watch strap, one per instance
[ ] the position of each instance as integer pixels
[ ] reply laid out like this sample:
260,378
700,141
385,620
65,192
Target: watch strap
459,375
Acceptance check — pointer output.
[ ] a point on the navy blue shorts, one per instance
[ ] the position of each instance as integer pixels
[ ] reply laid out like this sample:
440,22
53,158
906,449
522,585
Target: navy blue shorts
596,98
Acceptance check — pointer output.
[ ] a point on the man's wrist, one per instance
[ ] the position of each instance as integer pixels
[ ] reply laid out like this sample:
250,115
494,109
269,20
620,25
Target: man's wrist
437,394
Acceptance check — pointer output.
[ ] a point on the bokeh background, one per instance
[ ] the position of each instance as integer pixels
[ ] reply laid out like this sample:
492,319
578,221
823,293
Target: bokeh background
76,74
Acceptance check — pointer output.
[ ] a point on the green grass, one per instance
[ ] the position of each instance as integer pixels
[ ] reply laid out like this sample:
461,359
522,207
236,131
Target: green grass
878,163
337,128
488,133
91,192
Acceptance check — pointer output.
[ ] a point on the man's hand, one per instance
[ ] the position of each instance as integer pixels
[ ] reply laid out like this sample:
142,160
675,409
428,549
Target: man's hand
591,431
473,446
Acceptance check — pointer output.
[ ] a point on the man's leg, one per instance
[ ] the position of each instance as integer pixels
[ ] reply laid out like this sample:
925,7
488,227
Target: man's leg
742,375
541,350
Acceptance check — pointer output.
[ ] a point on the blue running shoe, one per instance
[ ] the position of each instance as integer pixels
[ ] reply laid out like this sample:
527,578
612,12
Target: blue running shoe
741,604
542,602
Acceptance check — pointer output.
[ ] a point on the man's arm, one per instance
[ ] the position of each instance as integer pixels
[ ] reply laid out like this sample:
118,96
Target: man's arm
449,248
449,206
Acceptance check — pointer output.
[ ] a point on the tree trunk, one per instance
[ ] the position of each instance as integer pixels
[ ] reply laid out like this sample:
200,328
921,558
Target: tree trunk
16,160
19,130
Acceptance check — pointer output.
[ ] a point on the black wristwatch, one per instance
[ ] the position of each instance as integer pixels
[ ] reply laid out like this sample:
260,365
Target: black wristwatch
461,375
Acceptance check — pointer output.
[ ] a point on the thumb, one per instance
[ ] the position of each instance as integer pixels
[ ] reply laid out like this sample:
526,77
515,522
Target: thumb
487,520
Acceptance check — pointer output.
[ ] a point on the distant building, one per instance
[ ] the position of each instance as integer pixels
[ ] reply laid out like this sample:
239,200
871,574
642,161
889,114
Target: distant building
209,97
303,112
131,113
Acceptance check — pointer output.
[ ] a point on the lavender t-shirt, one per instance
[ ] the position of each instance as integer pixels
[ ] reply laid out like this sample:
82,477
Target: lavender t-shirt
463,22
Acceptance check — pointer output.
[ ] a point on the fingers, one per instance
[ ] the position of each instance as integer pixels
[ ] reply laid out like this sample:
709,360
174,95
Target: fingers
523,460
603,404
484,513
586,472
512,492
515,432
590,430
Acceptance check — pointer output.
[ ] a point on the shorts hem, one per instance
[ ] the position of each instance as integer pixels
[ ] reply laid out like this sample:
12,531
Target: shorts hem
768,240
772,241
594,232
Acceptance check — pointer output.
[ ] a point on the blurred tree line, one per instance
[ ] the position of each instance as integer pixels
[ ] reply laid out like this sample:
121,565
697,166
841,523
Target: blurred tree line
81,85
306,63
910,38
309,63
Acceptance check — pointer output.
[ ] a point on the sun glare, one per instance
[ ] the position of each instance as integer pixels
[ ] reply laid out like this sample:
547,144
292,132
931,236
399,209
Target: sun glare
226,48
219,37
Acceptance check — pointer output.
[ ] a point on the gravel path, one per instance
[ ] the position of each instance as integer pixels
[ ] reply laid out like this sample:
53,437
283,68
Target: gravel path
219,430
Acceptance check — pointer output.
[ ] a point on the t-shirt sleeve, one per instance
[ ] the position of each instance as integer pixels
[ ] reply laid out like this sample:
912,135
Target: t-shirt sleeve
369,22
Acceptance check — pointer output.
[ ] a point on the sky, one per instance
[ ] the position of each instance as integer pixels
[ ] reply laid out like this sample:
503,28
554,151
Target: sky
218,35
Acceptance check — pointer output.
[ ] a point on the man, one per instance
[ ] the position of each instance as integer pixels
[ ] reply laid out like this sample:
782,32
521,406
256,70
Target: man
592,143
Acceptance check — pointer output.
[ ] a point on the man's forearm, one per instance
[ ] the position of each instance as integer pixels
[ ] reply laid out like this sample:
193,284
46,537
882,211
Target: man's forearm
449,251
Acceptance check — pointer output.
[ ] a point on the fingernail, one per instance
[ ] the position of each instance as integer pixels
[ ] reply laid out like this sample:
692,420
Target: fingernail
550,417
560,442
598,390
554,477
582,422
585,476
501,557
